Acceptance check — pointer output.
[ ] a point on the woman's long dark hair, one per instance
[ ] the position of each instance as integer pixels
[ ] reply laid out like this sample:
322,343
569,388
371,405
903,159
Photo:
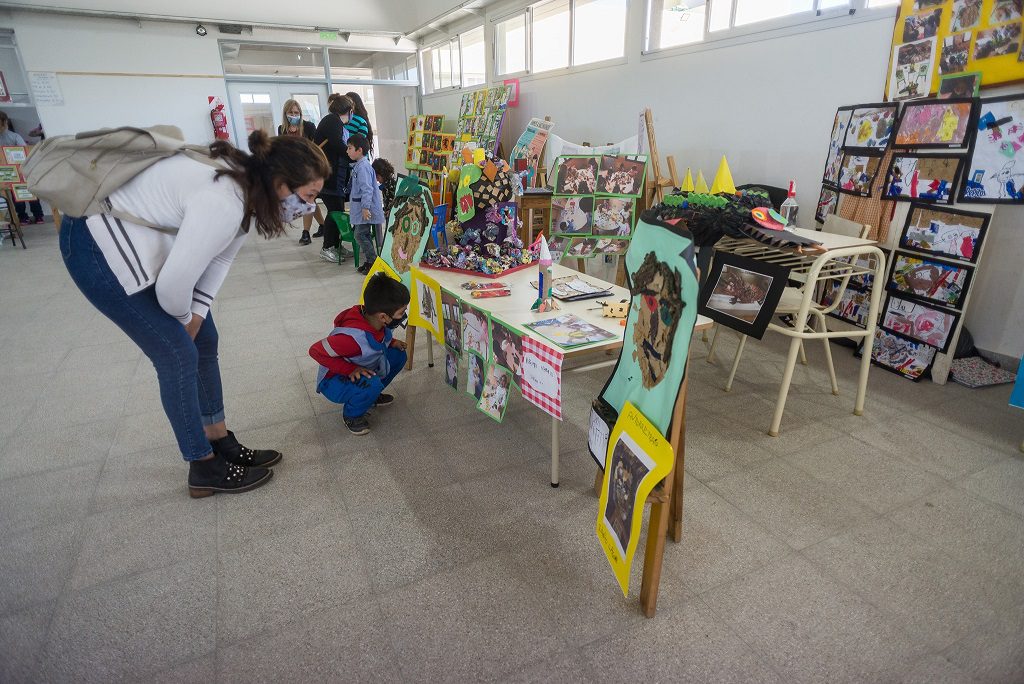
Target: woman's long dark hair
292,159
360,109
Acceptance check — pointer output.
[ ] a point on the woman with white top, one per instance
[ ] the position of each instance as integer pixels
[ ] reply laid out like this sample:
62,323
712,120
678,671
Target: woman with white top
157,284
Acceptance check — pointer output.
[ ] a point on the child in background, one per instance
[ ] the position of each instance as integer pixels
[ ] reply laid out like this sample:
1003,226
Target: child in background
360,357
366,204
386,179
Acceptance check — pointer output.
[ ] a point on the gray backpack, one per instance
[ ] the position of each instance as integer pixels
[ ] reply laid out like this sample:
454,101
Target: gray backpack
78,173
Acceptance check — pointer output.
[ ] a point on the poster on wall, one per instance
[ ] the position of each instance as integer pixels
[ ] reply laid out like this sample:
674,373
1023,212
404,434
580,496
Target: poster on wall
995,166
911,72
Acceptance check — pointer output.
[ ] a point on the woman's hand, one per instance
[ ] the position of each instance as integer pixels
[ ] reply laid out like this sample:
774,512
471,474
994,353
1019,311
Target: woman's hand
192,327
360,372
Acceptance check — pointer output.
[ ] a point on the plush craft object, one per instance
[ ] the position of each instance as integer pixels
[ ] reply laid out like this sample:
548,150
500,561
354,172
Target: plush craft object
662,280
408,227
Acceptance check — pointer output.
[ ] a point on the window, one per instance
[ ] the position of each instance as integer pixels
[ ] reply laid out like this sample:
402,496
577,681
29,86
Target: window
599,30
550,35
441,67
310,103
474,70
677,24
510,45
750,11
412,72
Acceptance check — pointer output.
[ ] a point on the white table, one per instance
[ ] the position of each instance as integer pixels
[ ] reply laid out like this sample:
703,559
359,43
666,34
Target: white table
514,310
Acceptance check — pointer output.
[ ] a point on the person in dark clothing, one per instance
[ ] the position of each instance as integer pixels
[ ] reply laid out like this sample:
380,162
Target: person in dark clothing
360,121
332,137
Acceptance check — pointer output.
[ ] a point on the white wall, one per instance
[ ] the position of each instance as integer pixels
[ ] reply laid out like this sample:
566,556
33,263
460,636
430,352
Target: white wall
768,105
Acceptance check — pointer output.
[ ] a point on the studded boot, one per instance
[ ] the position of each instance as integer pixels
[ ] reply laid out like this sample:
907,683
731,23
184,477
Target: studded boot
233,452
217,476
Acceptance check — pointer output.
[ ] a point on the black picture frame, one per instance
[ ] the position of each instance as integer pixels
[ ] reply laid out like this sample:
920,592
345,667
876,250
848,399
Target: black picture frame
890,178
879,171
920,349
879,149
971,187
730,270
859,297
892,285
906,243
832,182
822,210
908,112
907,329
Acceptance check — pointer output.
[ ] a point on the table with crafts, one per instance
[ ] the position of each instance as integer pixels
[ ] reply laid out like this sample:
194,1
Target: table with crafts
514,311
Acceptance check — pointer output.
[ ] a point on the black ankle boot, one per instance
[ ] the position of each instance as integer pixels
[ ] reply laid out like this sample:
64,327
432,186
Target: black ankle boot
215,475
231,451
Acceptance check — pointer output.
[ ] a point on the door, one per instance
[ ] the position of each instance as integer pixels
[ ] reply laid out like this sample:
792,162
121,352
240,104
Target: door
261,105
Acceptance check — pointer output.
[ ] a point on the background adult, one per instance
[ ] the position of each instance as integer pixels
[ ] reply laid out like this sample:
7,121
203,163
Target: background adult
158,285
332,136
9,138
292,123
360,120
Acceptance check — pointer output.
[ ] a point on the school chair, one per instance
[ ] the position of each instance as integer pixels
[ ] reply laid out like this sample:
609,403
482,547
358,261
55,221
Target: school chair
438,231
345,234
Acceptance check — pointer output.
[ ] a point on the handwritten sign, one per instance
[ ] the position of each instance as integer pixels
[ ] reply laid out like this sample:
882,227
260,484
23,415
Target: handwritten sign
541,382
45,88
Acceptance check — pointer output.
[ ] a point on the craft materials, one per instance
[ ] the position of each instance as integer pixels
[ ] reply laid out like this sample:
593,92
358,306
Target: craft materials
478,285
487,294
569,330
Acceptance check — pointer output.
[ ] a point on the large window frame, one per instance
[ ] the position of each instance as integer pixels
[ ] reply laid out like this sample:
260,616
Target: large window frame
432,86
528,13
788,24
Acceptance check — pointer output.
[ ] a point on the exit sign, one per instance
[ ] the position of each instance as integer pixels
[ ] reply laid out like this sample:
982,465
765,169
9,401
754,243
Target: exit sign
328,35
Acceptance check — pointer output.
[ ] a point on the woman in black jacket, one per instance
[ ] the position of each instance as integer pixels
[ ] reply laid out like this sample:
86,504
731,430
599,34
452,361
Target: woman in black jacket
292,123
332,137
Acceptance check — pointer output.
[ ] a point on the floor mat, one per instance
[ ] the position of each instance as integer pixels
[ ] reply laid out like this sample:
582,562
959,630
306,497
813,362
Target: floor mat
976,372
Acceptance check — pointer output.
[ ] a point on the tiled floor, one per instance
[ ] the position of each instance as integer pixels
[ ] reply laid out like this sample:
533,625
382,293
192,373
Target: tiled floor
885,548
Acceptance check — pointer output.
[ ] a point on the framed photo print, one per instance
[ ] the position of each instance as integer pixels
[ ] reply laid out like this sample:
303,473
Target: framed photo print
622,174
22,193
613,216
901,355
941,124
929,280
572,215
857,174
995,166
15,155
577,175
951,233
870,127
966,84
742,293
925,178
920,322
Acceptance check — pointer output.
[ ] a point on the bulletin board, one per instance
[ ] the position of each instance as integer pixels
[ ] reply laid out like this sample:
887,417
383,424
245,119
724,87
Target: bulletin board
969,36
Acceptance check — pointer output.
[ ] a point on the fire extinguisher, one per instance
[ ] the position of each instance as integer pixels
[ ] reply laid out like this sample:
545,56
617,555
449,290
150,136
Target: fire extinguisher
219,119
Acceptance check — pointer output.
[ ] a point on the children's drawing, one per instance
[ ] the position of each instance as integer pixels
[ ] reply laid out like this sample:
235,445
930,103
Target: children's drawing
621,175
857,174
956,50
571,215
995,169
901,355
451,367
835,145
628,467
474,376
475,336
935,123
408,225
956,86
495,396
1001,40
930,280
577,176
569,330
919,321
425,311
613,216
870,126
853,304
966,15
541,378
921,26
1005,10
528,149
507,348
911,72
451,312
944,232
655,290
924,178
827,201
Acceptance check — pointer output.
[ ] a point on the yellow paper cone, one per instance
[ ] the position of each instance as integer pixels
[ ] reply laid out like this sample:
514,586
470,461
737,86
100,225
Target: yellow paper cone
687,181
702,185
723,179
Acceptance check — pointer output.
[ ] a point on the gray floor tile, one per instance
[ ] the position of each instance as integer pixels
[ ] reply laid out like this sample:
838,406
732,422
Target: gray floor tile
22,641
45,498
1002,483
995,424
129,629
36,564
38,447
202,670
564,668
811,629
994,653
934,669
791,504
149,430
147,477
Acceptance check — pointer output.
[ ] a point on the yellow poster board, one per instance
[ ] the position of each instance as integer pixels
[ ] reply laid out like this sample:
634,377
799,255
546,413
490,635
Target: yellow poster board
379,266
639,457
425,311
970,34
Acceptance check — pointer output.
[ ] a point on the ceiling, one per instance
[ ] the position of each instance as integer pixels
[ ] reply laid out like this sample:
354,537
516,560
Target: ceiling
390,16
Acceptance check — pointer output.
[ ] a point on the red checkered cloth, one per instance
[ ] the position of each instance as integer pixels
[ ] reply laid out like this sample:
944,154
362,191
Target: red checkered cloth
549,356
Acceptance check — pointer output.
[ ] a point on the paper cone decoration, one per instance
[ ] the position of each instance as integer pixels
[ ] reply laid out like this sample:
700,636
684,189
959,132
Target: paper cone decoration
687,182
702,185
723,179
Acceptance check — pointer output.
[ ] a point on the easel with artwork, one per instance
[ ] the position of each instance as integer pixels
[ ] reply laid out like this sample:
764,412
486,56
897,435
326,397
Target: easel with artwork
657,183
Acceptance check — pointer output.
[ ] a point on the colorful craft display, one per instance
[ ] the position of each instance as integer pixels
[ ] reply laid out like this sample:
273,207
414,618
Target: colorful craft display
481,117
408,227
529,150
995,168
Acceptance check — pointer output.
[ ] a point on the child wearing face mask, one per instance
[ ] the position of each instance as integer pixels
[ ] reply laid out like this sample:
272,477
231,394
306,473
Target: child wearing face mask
360,357
366,203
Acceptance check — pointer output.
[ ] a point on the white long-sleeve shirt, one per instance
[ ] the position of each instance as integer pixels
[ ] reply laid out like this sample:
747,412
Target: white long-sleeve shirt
188,259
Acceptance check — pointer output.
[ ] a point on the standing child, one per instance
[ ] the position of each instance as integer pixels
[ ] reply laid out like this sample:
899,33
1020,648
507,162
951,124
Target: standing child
360,357
386,179
366,204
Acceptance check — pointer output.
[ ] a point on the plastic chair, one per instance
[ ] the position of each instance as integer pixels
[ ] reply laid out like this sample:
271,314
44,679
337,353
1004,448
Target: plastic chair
437,231
345,234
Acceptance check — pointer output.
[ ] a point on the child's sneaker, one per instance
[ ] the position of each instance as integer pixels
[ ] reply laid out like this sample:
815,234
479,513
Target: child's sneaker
305,239
358,425
329,254
384,400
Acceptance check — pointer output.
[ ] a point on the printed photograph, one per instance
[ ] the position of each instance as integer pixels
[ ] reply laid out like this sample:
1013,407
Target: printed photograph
497,388
956,50
627,472
507,347
577,176
611,246
621,175
920,26
957,86
966,15
613,216
451,367
474,331
1001,40
474,376
1005,10
911,74
571,215
740,293
451,312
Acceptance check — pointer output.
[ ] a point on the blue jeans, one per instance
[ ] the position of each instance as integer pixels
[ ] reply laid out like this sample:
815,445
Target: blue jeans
359,396
364,238
189,376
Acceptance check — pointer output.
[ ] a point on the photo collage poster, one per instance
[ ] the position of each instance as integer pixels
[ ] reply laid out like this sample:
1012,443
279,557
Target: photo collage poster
593,209
481,116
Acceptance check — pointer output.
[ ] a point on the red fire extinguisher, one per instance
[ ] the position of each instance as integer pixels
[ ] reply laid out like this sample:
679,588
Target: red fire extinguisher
219,118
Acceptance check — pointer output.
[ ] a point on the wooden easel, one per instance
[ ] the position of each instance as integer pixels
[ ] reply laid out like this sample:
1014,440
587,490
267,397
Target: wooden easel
656,187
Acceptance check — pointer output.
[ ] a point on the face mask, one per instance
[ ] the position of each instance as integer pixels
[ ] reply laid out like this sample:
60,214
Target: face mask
398,322
293,206
294,120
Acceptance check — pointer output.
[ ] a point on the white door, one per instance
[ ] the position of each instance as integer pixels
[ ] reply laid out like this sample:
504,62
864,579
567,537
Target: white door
261,105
